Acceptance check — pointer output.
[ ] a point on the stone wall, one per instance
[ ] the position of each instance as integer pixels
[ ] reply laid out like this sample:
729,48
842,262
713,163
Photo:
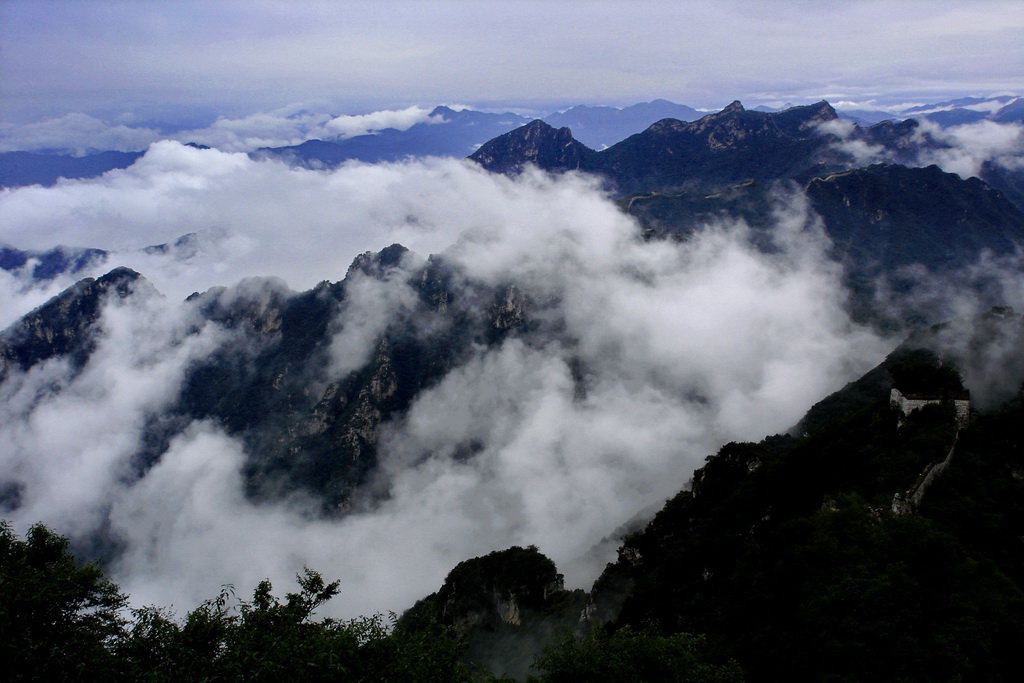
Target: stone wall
908,404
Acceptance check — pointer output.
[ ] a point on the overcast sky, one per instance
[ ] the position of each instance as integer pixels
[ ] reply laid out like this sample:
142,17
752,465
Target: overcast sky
158,57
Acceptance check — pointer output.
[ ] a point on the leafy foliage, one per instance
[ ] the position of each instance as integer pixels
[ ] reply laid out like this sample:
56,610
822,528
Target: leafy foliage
789,556
628,656
60,620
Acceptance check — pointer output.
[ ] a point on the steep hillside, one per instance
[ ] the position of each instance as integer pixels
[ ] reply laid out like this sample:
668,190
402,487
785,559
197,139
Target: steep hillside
867,532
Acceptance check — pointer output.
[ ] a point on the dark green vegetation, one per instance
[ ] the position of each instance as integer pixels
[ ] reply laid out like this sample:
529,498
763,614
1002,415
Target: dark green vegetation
794,559
627,656
508,604
63,621
790,556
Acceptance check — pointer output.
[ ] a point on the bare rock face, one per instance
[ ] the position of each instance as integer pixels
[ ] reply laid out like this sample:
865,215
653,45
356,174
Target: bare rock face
506,603
64,325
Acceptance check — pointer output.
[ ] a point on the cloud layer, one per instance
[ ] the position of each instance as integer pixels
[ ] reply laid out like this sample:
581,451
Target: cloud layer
666,351
79,133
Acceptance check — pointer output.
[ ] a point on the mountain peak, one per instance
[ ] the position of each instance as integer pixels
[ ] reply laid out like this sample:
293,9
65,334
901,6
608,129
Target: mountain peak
537,143
736,105
822,110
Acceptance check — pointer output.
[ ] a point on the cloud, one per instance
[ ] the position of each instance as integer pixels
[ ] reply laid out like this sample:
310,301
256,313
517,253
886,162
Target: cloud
371,304
914,292
957,149
971,145
361,124
652,355
75,132
250,218
79,133
862,152
67,438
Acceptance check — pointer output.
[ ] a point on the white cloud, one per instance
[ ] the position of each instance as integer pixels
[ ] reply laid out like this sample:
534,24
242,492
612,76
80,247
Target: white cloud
76,133
957,149
972,144
79,133
68,438
360,124
682,346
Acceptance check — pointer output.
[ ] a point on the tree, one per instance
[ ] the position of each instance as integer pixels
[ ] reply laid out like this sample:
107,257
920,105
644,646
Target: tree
628,656
58,618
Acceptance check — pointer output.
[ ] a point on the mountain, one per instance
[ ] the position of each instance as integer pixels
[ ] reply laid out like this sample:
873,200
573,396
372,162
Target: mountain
865,117
671,155
1012,112
34,168
65,325
730,146
1002,109
48,264
866,530
264,383
458,133
892,216
599,127
677,176
800,543
505,604
449,132
989,104
536,143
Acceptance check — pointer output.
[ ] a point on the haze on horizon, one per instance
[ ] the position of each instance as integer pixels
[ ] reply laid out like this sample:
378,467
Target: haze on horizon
188,62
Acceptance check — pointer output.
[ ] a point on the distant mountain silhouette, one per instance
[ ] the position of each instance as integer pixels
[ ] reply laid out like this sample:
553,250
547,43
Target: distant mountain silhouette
725,147
599,127
32,168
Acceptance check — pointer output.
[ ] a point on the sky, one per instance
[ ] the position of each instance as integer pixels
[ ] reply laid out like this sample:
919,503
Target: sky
183,59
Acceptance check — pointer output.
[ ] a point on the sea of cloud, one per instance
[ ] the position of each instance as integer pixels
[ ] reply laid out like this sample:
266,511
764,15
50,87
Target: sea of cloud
79,133
683,346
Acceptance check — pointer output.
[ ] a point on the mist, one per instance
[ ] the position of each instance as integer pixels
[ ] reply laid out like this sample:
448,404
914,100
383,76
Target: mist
665,351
